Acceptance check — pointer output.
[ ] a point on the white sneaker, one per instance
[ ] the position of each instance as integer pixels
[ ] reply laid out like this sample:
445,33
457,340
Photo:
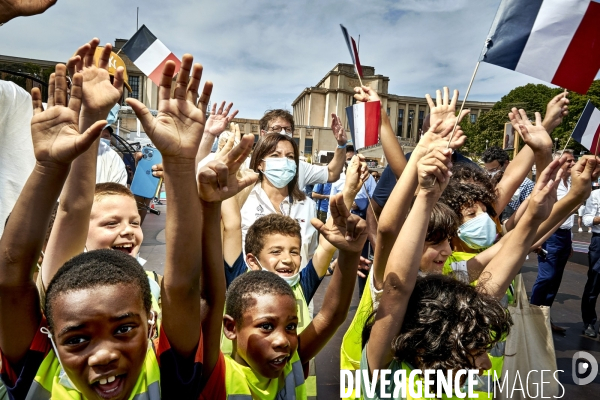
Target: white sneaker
580,230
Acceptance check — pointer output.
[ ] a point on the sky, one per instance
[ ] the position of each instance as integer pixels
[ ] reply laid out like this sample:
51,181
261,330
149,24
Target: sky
261,54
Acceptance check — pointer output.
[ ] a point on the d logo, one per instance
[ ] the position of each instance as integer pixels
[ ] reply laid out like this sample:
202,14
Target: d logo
587,366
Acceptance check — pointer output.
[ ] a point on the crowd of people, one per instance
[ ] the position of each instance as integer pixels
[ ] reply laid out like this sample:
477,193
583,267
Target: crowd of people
436,242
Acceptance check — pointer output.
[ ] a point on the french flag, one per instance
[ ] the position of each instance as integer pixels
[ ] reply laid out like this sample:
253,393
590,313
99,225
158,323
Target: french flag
364,119
557,41
149,54
353,51
587,130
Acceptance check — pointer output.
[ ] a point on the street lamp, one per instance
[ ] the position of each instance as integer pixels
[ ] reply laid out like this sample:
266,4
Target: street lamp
486,143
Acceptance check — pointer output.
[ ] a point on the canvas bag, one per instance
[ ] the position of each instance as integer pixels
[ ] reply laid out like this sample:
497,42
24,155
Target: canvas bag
529,346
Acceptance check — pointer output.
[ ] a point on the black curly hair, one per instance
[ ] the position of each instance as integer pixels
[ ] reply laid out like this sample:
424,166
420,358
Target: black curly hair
495,153
447,323
458,195
97,268
243,290
472,173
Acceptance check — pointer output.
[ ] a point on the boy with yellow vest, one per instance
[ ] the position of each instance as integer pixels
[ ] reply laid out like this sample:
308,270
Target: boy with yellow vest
261,319
93,341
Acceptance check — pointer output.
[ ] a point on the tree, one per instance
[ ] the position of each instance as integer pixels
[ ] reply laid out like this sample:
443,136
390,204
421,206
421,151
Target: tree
531,98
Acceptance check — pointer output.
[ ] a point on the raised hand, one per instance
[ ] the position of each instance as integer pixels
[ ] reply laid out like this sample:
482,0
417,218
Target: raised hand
218,180
357,174
99,94
347,232
583,173
535,136
434,171
179,125
55,132
543,198
338,130
556,110
435,137
10,9
364,93
219,119
444,110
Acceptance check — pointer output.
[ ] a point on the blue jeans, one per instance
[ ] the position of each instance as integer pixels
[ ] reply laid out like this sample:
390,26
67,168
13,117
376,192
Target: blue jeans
551,267
592,286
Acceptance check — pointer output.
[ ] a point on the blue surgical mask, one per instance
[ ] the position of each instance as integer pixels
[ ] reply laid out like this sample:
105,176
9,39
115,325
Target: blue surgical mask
105,141
111,118
279,171
479,232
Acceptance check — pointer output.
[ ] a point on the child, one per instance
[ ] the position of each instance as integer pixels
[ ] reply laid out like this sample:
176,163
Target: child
97,338
266,345
414,313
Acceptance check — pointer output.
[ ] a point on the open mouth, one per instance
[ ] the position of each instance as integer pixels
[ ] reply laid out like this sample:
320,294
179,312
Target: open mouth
285,272
109,387
125,248
280,361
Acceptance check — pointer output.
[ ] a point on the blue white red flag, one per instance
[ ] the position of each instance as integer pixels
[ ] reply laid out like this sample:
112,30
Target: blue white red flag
587,129
149,54
353,51
557,41
363,119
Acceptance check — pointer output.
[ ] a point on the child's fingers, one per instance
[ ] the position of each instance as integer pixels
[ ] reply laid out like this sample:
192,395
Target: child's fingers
220,110
360,228
183,77
318,224
233,114
143,114
446,95
247,180
88,58
51,85
119,80
222,176
105,56
454,100
351,224
205,96
429,101
36,101
538,119
166,80
76,92
194,84
60,88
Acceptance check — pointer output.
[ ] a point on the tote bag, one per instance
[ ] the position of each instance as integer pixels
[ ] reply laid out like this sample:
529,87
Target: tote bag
529,347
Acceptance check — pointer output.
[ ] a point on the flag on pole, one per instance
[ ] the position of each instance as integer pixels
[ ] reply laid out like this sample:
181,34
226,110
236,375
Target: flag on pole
353,51
149,54
363,119
587,129
557,41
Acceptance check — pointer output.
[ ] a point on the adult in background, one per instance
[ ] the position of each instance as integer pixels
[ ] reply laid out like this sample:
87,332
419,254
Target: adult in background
495,161
276,159
556,250
110,166
591,218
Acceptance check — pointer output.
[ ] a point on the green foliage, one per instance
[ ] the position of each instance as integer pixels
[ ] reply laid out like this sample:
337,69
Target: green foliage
531,98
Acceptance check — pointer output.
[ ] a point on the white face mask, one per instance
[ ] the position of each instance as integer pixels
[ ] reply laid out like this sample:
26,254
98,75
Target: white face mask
291,280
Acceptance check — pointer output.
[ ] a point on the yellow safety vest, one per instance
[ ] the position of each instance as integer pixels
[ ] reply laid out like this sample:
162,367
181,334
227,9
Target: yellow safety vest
241,383
51,381
351,349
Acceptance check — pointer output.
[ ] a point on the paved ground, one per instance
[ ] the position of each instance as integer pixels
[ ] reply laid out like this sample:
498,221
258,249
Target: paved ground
565,312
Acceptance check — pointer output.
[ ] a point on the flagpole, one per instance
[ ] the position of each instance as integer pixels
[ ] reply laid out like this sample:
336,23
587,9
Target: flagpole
357,74
462,106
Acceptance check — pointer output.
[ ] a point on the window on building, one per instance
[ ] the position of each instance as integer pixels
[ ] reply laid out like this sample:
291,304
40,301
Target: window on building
399,131
411,119
473,118
297,140
421,118
388,111
308,143
134,82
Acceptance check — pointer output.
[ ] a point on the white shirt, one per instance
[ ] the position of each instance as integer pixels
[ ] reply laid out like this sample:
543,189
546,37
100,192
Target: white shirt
16,147
560,193
308,174
258,205
110,167
592,209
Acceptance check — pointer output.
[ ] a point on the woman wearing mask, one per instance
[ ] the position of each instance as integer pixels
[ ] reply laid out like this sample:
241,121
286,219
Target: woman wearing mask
275,159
